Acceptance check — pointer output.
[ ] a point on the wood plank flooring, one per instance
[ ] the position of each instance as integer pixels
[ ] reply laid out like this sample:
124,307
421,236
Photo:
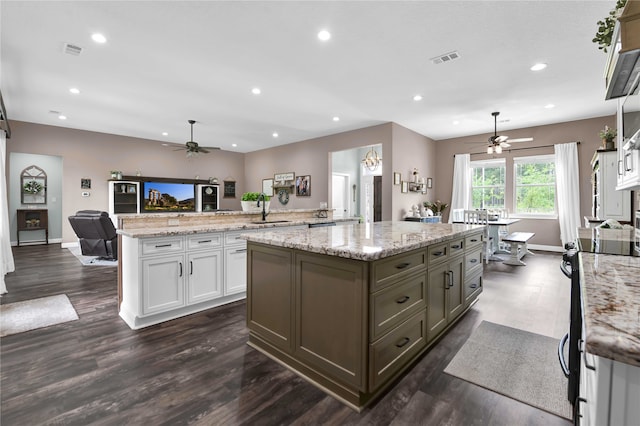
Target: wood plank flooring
199,370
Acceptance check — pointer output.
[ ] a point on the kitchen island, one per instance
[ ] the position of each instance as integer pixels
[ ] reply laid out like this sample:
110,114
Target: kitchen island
351,308
174,264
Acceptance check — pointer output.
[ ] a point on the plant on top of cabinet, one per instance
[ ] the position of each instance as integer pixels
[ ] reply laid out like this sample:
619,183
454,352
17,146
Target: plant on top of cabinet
606,26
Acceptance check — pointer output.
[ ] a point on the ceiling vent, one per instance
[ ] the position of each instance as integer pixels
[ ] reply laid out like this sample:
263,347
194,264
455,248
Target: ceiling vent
72,49
447,57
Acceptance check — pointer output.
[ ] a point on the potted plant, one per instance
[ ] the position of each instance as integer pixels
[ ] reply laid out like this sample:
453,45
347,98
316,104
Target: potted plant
116,174
437,208
608,135
249,202
606,27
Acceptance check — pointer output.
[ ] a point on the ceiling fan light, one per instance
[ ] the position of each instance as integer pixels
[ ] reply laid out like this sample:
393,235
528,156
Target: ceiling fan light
489,149
498,149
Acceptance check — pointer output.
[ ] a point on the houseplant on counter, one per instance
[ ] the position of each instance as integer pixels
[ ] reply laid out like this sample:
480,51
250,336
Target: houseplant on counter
608,135
437,208
249,202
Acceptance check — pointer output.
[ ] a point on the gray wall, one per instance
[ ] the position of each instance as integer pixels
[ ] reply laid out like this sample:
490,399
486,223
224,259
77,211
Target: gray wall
52,166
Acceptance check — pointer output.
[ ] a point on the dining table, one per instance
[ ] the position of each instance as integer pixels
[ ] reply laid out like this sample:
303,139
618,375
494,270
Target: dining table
494,234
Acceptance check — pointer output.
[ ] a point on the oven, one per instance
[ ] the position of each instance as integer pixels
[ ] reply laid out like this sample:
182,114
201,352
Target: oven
570,359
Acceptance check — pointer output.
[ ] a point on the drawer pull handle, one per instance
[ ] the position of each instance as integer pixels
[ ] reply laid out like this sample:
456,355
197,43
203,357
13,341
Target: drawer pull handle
204,241
240,251
403,300
473,260
180,269
190,267
474,240
403,342
474,285
402,265
457,246
162,245
438,253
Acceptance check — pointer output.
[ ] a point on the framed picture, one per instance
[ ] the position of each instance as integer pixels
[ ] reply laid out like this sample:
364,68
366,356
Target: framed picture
267,187
229,189
85,183
303,186
405,186
397,178
429,183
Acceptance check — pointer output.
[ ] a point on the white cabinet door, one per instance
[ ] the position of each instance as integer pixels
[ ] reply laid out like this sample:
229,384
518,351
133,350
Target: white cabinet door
162,283
204,276
235,269
613,204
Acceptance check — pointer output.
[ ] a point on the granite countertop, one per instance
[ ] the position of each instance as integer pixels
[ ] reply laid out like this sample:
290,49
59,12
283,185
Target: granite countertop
211,213
611,306
220,227
364,241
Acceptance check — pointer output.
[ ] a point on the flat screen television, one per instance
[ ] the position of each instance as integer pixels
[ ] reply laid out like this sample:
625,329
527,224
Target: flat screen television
168,197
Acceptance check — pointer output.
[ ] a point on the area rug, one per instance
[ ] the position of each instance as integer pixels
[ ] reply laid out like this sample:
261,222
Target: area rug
515,363
35,313
91,260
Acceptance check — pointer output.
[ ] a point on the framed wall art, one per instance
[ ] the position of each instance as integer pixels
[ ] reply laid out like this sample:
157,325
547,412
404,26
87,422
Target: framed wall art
405,187
303,186
267,187
429,183
397,178
85,183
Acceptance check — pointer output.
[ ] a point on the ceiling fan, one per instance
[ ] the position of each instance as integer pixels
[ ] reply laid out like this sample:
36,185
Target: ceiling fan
496,143
192,147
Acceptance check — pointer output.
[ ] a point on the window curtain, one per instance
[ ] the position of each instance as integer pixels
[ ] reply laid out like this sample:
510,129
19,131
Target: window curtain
461,193
6,256
568,190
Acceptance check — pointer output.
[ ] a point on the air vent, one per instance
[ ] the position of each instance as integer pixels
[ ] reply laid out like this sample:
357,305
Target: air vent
447,57
72,49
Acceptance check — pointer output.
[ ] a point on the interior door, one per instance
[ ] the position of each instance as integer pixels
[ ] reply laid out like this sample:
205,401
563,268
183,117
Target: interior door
340,195
377,198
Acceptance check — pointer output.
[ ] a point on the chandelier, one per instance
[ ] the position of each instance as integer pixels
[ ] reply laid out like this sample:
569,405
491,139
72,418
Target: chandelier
372,160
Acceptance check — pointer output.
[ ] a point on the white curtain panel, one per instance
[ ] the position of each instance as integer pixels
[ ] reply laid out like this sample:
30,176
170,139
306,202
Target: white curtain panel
461,193
6,256
568,190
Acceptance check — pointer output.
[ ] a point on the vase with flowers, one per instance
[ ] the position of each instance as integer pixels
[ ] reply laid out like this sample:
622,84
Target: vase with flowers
437,208
608,135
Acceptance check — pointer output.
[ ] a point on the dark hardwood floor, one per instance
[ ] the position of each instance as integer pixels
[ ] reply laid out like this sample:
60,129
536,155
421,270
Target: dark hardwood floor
199,369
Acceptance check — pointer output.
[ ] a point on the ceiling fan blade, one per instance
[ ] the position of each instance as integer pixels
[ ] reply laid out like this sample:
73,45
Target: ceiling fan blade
202,150
504,144
501,138
210,147
520,140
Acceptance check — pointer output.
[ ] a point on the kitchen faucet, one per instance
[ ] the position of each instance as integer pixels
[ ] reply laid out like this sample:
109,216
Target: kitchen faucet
264,212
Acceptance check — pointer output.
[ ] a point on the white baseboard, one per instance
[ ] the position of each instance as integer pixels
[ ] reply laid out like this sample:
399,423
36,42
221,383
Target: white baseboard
545,248
68,245
36,243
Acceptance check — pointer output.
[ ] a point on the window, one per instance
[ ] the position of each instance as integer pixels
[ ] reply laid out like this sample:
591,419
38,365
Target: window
535,185
488,184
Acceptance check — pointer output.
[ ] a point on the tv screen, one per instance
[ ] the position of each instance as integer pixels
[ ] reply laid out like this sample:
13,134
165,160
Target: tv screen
168,197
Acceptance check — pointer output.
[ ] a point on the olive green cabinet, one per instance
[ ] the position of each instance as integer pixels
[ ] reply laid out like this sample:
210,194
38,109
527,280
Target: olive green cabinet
445,295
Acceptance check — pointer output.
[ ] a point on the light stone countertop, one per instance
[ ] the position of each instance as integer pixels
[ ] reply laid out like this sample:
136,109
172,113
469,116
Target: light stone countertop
365,241
255,224
611,306
172,215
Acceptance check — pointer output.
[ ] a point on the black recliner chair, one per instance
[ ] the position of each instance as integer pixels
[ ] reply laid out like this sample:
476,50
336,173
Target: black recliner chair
96,233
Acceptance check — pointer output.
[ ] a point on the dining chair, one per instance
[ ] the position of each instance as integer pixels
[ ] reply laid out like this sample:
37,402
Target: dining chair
481,217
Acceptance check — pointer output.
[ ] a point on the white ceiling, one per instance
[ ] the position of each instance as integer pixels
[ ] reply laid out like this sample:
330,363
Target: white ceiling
166,62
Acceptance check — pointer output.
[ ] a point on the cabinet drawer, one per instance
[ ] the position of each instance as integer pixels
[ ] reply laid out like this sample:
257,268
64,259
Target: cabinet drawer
438,253
386,271
233,237
396,303
389,354
473,240
203,241
473,260
456,247
162,245
472,287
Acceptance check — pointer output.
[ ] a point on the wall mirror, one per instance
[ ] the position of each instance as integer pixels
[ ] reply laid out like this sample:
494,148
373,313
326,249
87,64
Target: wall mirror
33,182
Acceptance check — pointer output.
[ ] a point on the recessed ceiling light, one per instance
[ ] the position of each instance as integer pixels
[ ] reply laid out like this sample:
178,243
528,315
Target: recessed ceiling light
165,134
165,144
538,67
98,38
336,118
417,98
549,106
234,145
62,117
74,90
275,134
324,35
256,91
456,122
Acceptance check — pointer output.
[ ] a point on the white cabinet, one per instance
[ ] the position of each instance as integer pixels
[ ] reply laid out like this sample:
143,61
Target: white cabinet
162,283
204,267
235,263
124,197
609,392
607,203
207,198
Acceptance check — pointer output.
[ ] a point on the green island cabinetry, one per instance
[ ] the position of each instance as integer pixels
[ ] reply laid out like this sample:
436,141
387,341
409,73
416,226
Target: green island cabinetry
351,326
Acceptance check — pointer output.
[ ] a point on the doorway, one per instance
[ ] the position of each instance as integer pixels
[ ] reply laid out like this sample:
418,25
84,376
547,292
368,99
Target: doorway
377,198
340,195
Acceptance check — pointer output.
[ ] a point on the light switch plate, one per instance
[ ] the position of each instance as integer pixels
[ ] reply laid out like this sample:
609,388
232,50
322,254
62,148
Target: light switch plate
86,194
